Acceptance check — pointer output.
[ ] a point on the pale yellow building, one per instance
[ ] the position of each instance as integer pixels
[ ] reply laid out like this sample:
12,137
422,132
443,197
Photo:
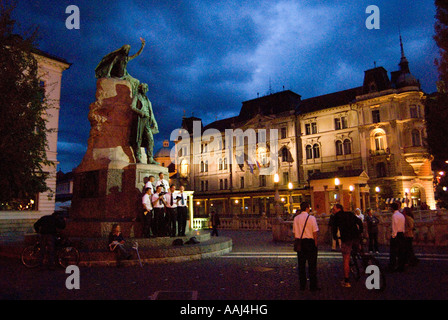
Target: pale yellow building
370,139
50,74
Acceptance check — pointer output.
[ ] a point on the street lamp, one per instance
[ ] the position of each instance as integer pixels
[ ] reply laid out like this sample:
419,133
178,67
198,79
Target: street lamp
406,192
276,178
290,186
351,189
337,183
377,190
277,195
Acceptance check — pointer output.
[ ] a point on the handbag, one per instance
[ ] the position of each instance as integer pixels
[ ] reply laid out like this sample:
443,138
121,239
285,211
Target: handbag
298,242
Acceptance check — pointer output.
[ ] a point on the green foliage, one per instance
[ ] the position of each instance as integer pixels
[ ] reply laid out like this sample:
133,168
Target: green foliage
436,113
441,38
23,131
436,104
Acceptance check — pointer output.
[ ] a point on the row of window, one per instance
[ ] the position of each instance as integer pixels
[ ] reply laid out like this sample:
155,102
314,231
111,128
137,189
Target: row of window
313,151
341,122
260,136
380,169
345,147
224,183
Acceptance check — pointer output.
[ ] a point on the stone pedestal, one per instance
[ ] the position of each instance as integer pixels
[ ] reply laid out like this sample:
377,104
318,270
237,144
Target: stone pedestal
111,194
108,183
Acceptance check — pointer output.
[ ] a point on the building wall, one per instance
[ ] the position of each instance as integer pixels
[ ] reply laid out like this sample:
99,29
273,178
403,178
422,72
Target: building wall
326,138
380,133
401,163
50,72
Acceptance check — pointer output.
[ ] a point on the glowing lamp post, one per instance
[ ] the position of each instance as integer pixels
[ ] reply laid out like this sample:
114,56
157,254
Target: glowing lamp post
290,186
277,195
337,183
351,189
377,190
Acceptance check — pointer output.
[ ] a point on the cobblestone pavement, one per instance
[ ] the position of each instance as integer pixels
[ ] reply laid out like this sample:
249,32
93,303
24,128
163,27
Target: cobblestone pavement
256,269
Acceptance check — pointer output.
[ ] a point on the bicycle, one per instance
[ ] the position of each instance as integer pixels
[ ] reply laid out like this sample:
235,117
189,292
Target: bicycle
360,261
65,254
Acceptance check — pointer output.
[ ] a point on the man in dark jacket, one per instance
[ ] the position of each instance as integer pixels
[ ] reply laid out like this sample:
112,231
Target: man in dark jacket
350,228
214,219
372,230
47,227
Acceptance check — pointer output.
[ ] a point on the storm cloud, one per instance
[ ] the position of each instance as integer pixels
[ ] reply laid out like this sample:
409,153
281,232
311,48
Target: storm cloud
204,58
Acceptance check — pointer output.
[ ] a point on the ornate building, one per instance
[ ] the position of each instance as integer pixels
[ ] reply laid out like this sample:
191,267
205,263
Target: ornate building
360,147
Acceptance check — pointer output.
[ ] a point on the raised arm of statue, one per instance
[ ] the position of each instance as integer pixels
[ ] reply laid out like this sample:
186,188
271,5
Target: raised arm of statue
139,51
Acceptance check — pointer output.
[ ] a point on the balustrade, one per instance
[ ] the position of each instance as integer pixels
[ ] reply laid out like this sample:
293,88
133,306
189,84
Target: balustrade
431,227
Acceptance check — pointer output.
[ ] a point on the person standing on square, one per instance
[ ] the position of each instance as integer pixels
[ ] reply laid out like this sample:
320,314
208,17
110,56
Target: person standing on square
397,241
305,228
350,228
214,219
147,212
182,212
162,182
158,203
171,210
372,230
150,183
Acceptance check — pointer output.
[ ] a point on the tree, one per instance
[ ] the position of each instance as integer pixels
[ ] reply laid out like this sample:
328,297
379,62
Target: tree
441,38
436,104
23,131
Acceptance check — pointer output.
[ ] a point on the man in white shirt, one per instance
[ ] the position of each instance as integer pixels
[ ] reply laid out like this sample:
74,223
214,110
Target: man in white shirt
182,212
397,240
305,228
171,210
162,182
147,213
150,183
158,203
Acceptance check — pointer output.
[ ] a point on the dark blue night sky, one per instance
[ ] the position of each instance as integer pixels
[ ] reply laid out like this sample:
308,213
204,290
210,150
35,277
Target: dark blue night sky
207,57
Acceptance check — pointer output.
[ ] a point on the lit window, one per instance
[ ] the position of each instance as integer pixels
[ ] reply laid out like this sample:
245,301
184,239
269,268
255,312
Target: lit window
379,141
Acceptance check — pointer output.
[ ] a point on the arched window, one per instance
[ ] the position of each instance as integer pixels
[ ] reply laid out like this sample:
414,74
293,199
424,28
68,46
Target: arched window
347,146
184,168
379,141
316,151
339,150
309,152
416,139
202,166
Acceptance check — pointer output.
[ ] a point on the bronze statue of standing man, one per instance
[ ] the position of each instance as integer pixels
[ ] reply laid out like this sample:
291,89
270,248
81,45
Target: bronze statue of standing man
146,124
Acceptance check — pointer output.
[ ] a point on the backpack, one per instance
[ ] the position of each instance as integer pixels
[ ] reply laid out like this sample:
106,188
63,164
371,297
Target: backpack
192,240
178,242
